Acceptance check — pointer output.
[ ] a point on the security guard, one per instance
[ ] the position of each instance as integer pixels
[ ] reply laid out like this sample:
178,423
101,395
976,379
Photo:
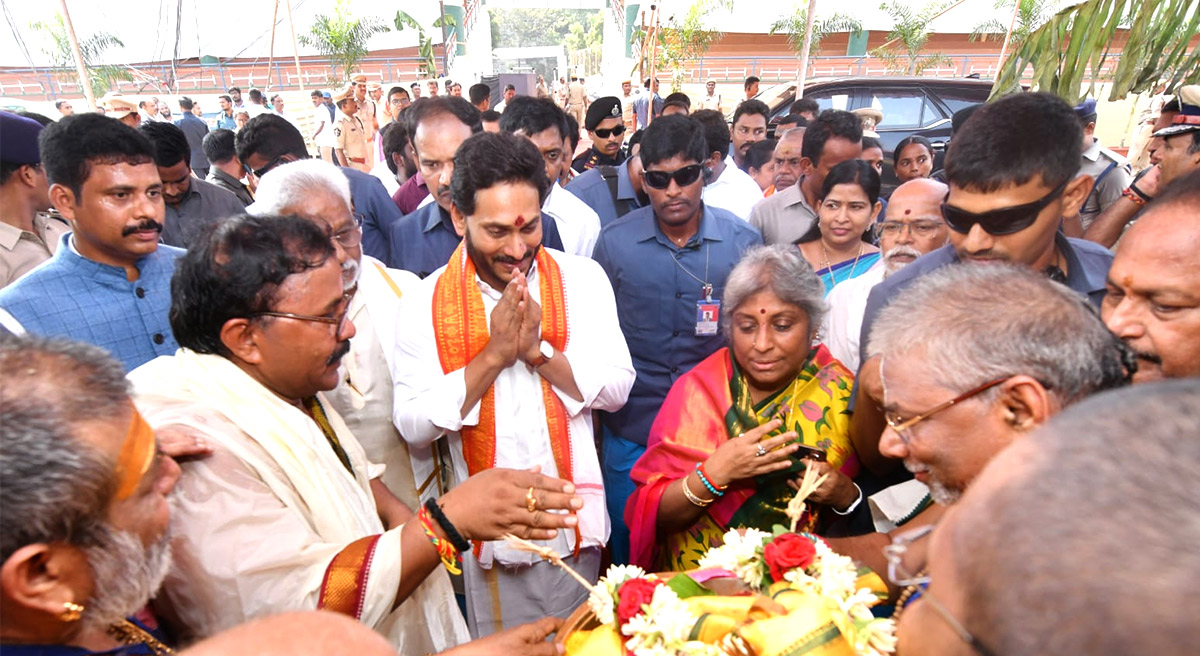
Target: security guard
606,128
349,131
1110,172
366,111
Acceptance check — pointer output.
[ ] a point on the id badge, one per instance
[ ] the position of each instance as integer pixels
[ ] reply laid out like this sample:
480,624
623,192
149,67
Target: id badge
708,317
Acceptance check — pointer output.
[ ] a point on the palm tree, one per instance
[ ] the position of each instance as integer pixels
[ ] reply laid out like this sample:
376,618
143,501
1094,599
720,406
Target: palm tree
910,31
1031,14
101,77
1072,47
793,26
342,38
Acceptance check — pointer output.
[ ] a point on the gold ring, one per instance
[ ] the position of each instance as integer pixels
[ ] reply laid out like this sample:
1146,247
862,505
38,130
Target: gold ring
530,501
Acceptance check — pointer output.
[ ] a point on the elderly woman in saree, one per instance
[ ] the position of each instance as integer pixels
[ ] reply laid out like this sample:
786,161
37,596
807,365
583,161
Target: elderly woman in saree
736,432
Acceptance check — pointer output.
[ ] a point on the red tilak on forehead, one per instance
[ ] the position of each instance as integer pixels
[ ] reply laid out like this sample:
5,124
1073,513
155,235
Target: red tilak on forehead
907,212
762,310
520,221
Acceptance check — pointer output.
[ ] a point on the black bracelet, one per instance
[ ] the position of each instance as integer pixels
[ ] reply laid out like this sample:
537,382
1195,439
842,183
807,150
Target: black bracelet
456,538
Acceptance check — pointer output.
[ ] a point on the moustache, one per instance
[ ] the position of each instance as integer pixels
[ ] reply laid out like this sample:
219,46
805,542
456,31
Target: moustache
144,224
340,353
1148,357
443,190
504,259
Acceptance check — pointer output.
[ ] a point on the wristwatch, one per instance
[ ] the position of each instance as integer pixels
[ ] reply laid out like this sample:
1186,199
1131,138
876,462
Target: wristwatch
545,353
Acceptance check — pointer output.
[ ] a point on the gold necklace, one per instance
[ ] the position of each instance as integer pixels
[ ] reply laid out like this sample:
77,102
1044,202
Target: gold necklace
829,268
129,633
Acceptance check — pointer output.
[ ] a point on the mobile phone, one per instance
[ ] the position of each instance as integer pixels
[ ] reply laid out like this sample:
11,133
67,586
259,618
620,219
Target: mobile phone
810,452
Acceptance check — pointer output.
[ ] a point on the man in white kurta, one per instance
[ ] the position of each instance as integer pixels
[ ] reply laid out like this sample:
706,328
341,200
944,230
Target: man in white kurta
578,224
501,255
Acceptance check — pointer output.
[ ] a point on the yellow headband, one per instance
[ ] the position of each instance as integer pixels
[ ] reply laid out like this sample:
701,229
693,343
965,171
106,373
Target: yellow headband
136,455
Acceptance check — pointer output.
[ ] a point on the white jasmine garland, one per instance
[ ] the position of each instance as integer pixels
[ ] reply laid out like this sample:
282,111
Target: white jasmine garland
741,554
663,626
603,598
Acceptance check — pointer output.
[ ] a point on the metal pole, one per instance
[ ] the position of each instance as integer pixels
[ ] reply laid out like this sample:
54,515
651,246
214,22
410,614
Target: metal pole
1008,34
80,66
808,28
271,50
295,49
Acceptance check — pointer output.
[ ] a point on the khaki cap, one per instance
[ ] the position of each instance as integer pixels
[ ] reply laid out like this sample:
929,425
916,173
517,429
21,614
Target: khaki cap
118,106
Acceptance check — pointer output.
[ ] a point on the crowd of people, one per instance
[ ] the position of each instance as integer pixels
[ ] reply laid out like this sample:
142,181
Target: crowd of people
243,379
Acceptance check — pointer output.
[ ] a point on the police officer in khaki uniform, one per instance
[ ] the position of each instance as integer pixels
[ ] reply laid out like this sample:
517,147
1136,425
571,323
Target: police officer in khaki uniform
366,112
351,136
30,231
1110,172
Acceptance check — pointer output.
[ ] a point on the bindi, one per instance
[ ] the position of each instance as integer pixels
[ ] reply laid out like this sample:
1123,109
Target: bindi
762,310
520,221
907,212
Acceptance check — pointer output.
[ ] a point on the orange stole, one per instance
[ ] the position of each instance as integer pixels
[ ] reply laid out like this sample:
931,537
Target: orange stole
345,584
461,329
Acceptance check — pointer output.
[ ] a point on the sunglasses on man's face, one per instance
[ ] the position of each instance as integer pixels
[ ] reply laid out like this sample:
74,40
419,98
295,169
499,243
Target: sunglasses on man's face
604,133
1004,221
662,179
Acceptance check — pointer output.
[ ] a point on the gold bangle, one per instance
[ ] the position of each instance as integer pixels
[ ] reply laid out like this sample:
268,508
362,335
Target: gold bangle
691,496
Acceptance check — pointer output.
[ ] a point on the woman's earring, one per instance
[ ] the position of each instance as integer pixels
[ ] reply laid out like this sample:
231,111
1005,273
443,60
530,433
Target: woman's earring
71,612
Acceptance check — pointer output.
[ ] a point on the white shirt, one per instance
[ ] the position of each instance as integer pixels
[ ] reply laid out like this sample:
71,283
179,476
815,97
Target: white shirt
429,402
325,137
386,176
735,191
578,224
843,323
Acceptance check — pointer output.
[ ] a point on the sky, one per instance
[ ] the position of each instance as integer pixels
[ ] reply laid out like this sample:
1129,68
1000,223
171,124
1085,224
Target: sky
147,27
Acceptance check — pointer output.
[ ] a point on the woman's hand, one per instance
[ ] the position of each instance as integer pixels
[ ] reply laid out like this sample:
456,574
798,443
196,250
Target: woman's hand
738,458
837,491
494,502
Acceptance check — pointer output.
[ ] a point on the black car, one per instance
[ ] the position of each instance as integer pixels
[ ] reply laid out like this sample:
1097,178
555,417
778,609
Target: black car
910,105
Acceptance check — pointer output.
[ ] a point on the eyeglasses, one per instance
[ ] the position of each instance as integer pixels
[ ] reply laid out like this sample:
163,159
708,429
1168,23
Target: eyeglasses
662,179
1004,221
921,229
903,426
339,321
260,172
900,576
604,133
351,236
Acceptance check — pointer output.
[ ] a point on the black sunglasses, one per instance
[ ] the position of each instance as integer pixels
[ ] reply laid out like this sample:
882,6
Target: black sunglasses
604,133
1004,221
258,173
662,179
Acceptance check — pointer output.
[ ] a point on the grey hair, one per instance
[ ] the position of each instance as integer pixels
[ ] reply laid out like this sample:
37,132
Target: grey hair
974,323
1109,482
285,188
55,486
778,268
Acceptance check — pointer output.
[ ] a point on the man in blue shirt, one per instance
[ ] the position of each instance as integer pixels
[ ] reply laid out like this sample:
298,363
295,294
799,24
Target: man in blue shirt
1012,176
269,140
667,264
423,241
613,191
225,119
109,282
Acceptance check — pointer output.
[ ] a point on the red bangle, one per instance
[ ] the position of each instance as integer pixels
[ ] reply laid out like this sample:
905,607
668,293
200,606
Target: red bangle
709,478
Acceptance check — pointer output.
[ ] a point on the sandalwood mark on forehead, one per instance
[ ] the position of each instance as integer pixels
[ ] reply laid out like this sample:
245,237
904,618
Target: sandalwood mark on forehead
1127,280
520,221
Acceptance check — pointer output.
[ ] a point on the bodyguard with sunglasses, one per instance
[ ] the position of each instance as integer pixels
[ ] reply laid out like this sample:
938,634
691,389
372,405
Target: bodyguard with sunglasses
667,264
1012,177
607,131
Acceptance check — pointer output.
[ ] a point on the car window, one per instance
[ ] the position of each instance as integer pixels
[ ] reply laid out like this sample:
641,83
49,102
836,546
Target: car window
956,101
831,99
903,108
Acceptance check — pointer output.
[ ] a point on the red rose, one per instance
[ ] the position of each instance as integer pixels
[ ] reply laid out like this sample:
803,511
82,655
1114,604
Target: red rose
632,595
787,552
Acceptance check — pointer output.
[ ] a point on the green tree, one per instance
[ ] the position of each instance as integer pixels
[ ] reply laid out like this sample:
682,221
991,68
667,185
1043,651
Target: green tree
1071,49
580,38
101,77
910,30
793,25
342,38
425,43
681,40
1030,15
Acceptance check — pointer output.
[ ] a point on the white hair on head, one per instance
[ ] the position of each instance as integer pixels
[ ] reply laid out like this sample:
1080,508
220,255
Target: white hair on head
290,185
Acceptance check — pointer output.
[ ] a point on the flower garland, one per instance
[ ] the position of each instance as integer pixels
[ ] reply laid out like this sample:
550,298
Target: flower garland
653,619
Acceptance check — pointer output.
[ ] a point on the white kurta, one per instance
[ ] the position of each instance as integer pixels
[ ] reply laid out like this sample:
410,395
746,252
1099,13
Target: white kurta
843,322
578,224
429,402
363,396
735,191
256,524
